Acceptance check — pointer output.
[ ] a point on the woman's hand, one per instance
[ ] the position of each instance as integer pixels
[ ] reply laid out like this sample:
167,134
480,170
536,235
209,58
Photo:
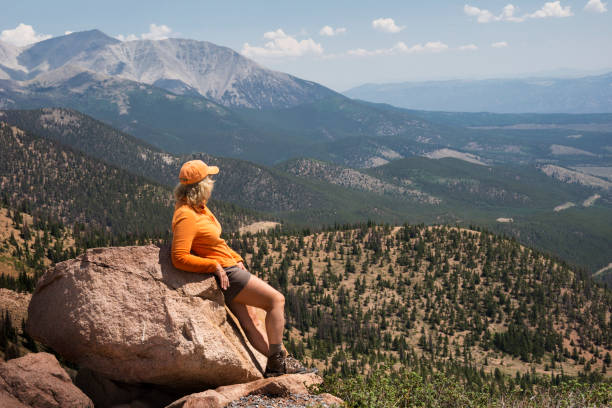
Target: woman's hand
223,280
241,265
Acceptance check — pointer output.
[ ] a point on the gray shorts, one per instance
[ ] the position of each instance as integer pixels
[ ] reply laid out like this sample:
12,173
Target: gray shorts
238,279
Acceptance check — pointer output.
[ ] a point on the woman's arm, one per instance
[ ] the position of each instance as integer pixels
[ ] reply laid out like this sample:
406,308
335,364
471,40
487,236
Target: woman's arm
184,232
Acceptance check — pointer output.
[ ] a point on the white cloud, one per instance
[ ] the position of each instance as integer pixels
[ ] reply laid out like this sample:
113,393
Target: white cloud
156,32
485,16
129,37
500,44
482,16
273,35
435,46
508,14
549,9
552,9
282,45
468,47
387,25
330,31
596,6
400,48
22,35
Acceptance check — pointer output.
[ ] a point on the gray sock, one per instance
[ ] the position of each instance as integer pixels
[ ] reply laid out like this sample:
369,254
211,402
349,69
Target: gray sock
275,348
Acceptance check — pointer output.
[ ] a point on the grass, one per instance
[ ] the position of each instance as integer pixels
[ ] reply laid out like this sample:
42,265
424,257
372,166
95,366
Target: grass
406,388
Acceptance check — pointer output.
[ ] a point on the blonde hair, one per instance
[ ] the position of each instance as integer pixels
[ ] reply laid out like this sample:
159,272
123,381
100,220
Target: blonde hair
194,194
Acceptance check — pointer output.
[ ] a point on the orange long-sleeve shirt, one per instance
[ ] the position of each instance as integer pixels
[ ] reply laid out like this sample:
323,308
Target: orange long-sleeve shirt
197,245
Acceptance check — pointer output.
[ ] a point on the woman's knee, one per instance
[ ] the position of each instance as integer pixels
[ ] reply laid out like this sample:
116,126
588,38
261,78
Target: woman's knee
277,301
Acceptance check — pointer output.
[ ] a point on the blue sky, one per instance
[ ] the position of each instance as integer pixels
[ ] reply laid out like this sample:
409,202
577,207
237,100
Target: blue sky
365,41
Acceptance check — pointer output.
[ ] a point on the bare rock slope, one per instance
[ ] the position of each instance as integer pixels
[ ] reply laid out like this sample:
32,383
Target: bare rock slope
128,314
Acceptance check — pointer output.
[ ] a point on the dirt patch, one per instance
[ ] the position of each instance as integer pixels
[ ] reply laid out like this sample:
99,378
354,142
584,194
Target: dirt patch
564,206
258,226
591,200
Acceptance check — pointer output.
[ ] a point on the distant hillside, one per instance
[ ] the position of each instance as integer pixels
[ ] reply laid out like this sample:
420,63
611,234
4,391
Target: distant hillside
517,200
45,178
520,121
591,94
336,127
65,183
525,195
240,182
178,65
97,139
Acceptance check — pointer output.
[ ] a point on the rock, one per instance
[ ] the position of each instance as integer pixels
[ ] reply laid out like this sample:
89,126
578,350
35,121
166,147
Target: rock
7,400
331,399
38,380
292,401
16,303
106,393
128,314
282,386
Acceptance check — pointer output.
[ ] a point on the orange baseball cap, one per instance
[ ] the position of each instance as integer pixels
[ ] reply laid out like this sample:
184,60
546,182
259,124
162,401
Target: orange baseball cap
195,170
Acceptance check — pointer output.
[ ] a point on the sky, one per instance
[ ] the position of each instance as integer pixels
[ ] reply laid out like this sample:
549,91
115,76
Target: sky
342,44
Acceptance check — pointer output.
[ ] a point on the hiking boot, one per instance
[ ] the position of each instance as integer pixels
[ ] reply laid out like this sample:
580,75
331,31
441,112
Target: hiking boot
281,363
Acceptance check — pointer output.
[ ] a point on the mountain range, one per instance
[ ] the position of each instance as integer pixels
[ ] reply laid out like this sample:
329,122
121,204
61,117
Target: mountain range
589,94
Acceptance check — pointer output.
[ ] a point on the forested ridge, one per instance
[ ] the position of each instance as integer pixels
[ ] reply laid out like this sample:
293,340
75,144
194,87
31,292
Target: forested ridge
362,297
55,202
42,176
96,139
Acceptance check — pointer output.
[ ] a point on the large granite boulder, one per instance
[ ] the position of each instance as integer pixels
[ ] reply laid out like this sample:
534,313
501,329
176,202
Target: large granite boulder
128,314
37,380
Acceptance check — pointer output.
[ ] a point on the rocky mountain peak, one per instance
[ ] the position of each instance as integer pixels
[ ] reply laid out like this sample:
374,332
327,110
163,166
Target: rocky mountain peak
55,52
181,66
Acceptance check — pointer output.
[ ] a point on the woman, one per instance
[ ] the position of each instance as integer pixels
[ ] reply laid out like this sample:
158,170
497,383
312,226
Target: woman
198,247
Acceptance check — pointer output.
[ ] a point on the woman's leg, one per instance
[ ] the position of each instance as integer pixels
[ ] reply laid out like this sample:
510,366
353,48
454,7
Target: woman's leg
250,323
259,294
